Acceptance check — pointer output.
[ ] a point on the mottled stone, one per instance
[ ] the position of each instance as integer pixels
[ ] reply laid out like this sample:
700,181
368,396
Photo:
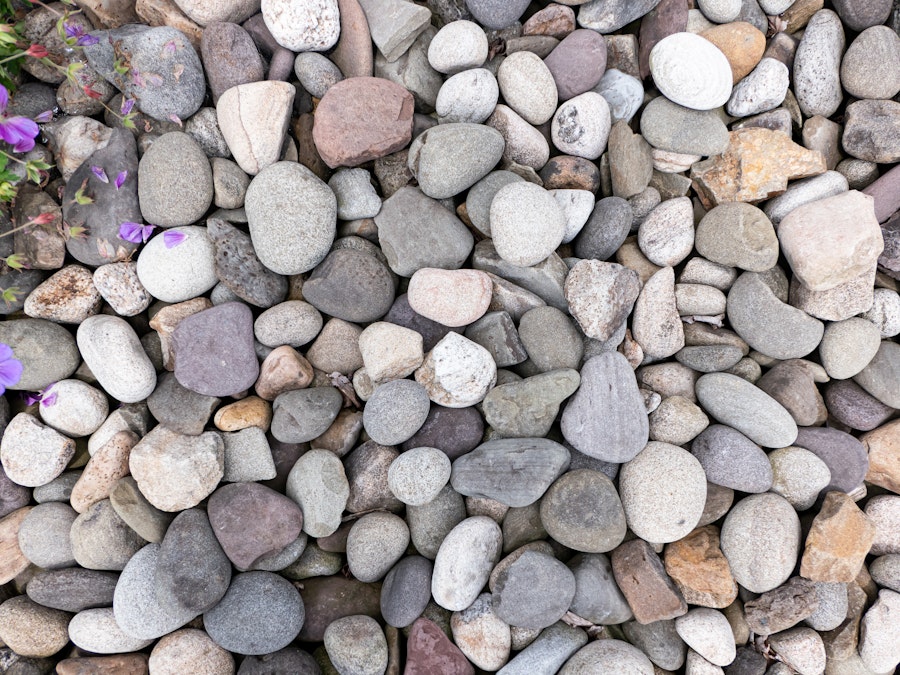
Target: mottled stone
838,541
700,570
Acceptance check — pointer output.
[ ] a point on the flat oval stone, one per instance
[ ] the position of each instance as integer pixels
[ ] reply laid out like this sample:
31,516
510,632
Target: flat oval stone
178,272
30,630
356,644
527,224
44,535
691,71
852,405
449,158
761,540
732,460
666,234
395,411
350,285
464,562
317,483
292,216
668,126
96,630
528,87
597,526
548,652
72,589
451,297
374,544
112,351
577,62
273,602
740,404
33,454
769,325
605,16
663,492
606,418
301,415
514,471
817,63
418,475
879,377
535,591
175,185
736,234
870,66
406,591
798,475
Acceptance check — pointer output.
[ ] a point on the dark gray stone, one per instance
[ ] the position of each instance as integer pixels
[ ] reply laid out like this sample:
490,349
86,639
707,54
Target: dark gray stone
732,460
12,495
430,523
395,411
497,333
496,14
72,589
597,525
659,641
606,229
288,660
178,408
350,285
844,455
534,592
597,595
551,340
872,131
546,279
406,591
453,431
852,405
304,414
229,57
861,14
240,270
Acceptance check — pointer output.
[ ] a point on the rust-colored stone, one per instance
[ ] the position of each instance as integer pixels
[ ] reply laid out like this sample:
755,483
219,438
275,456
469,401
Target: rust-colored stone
883,446
307,154
756,165
429,651
118,664
782,607
700,570
650,593
360,119
742,43
249,412
838,541
353,53
565,172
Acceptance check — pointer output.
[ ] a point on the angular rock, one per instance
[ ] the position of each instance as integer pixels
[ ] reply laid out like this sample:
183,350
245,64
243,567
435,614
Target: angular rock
838,541
650,592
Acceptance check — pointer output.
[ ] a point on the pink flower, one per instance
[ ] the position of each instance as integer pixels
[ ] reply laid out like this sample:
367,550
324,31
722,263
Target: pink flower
135,232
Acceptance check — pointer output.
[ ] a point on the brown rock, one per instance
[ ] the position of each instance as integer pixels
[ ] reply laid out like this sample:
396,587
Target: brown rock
360,119
622,54
109,14
353,53
167,13
883,446
248,412
565,172
327,599
41,245
342,435
166,320
284,369
798,14
791,383
782,607
12,560
630,161
429,651
307,154
69,296
668,17
103,470
700,570
756,165
838,541
32,630
554,20
650,593
119,664
742,44
823,135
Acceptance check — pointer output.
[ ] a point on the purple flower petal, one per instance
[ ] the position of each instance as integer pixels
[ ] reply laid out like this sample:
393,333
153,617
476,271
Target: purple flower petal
4,99
127,105
44,117
135,232
30,398
72,30
19,132
87,40
48,400
120,179
6,351
173,238
10,367
100,173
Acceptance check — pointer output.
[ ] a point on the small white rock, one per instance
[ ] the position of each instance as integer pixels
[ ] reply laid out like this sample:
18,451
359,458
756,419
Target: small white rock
481,635
666,235
33,454
707,632
623,92
577,206
113,352
451,297
96,630
390,351
469,96
418,475
878,644
798,475
761,90
73,408
356,196
184,271
885,312
464,562
458,46
581,126
309,26
458,372
527,224
528,86
720,11
691,71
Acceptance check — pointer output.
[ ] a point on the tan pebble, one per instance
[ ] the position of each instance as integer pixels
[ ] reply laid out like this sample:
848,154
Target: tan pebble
107,465
284,369
249,412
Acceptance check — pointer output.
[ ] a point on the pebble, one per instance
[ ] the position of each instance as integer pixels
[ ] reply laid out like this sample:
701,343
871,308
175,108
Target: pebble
608,17
68,296
668,126
581,126
316,73
350,285
885,312
884,570
396,411
44,535
119,286
189,649
838,541
870,130
798,475
707,632
457,578
390,351
452,297
577,207
175,184
528,87
406,591
96,630
458,46
30,630
469,96
318,484
699,568
112,351
418,475
457,372
527,224
848,346
882,510
481,635
608,654
802,649
375,543
677,421
356,644
356,197
877,647
651,594
761,562
429,650
496,15
590,279
731,460
548,652
293,322
869,66
843,454
310,28
623,92
453,431
33,454
577,63
229,57
551,339
301,415
133,509
535,591
877,377
528,408
666,234
663,492
181,272
597,596
691,72
46,350
817,81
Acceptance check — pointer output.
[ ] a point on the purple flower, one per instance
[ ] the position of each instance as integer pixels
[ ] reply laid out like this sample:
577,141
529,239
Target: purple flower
18,131
120,179
100,174
10,367
47,398
44,117
135,232
76,31
30,398
127,105
172,238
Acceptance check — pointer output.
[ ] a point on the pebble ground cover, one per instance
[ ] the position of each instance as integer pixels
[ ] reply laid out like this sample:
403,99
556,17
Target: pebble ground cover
378,336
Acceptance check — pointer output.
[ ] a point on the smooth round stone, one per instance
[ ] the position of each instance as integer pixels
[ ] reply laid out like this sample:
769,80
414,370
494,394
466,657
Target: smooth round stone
817,62
78,409
350,285
732,460
316,73
469,96
736,234
832,609
406,591
848,346
691,71
317,483
458,46
879,377
761,90
356,196
677,420
72,589
101,540
464,562
30,630
113,352
356,644
525,145
548,651
180,272
624,93
605,230
708,633
453,431
885,571
96,630
449,158
535,591
136,609
497,14
46,350
870,68
577,207
375,543
577,62
301,415
451,297
611,655
457,372
527,224
190,650
514,471
292,216
261,613
720,11
738,403
44,535
850,404
761,540
581,126
313,26
396,411
175,185
528,87
844,454
418,475
666,234
769,325
294,323
663,492
32,454
597,526
668,126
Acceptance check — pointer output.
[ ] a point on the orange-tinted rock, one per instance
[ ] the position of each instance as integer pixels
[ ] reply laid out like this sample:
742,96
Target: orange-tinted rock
742,44
428,651
838,541
554,20
565,172
307,154
883,446
650,593
12,560
756,165
360,119
119,664
284,369
248,412
700,570
105,467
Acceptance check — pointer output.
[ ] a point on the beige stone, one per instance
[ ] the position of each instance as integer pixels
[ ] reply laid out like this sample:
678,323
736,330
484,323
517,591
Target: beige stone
883,446
699,569
838,541
118,664
284,369
105,467
252,411
166,13
12,560
32,630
